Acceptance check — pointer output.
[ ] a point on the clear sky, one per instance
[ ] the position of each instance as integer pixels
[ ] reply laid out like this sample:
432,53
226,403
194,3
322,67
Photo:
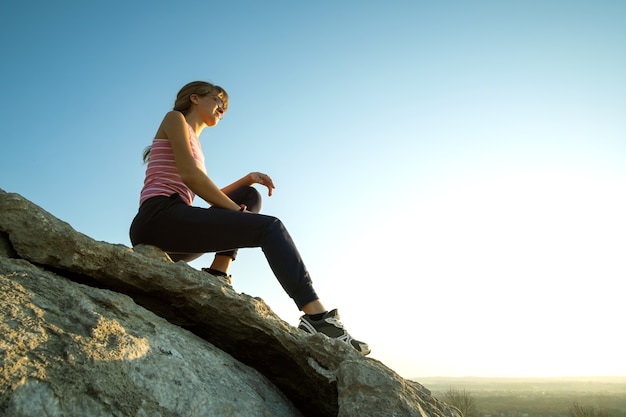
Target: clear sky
453,172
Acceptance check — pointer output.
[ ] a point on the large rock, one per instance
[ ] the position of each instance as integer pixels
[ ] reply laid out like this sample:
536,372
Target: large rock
319,376
74,350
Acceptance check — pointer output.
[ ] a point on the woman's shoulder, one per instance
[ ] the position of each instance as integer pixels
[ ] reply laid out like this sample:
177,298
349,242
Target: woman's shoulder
173,121
174,116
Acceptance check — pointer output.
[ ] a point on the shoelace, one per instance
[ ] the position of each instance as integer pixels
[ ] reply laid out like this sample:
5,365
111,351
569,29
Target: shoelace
336,322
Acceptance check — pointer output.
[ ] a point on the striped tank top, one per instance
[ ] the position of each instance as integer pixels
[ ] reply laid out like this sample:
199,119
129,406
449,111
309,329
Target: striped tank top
162,177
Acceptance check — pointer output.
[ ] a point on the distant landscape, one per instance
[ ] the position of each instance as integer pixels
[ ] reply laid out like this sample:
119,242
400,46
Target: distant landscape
536,397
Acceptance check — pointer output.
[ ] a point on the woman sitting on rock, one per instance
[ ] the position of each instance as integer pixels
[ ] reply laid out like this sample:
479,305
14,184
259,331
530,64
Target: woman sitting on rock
166,219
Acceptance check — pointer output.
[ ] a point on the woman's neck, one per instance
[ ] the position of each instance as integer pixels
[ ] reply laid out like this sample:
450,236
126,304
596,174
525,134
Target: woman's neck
196,123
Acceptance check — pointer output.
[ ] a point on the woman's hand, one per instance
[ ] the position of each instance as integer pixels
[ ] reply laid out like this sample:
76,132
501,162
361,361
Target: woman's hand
263,179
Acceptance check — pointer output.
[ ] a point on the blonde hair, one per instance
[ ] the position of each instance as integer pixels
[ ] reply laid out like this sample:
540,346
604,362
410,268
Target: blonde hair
201,88
183,100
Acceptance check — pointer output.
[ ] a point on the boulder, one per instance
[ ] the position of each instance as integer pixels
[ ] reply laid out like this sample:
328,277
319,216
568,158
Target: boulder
318,376
73,350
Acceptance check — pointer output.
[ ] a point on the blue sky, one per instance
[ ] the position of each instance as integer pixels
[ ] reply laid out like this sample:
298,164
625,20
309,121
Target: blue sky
453,173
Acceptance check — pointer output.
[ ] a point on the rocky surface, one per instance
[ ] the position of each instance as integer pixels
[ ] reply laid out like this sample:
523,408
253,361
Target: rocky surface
74,350
91,328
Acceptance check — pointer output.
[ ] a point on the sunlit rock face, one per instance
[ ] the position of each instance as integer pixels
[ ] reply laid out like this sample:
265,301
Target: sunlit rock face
93,329
73,350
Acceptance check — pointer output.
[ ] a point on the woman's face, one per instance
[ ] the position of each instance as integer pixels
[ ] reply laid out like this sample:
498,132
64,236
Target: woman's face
211,109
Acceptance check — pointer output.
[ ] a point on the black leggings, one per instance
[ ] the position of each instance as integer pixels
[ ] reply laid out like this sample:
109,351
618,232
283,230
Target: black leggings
185,232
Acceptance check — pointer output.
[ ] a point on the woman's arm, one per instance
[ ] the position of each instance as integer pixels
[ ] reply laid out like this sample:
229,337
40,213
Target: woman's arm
174,128
251,178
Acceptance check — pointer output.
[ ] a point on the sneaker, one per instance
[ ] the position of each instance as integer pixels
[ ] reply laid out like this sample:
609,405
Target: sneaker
331,326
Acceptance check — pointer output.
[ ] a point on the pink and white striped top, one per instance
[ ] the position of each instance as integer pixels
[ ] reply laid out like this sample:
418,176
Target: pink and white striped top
162,177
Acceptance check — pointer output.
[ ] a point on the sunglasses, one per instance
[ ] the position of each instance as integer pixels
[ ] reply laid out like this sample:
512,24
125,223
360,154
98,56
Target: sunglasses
220,103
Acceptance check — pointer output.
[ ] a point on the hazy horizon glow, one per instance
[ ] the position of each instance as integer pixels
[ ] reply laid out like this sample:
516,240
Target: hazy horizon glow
454,174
